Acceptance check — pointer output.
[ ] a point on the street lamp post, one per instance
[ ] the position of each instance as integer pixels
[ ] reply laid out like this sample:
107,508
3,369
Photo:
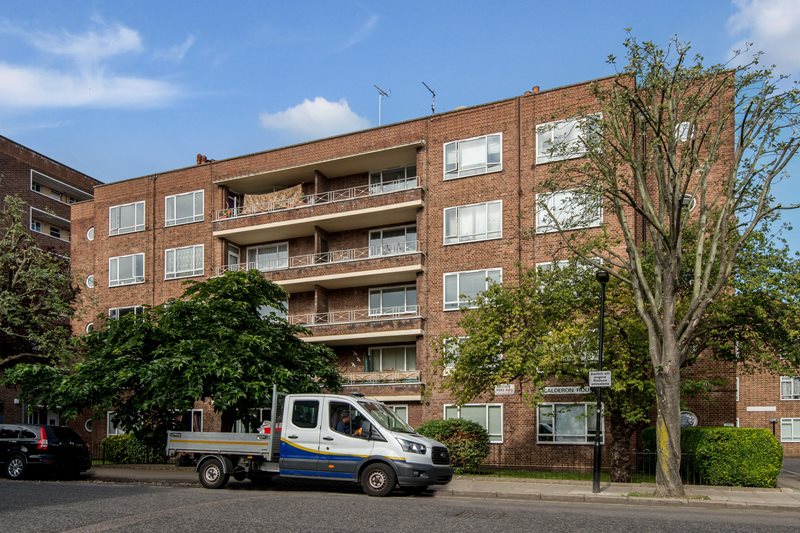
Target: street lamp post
602,278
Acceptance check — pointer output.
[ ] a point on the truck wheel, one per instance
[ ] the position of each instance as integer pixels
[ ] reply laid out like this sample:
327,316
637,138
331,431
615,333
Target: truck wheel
212,476
378,479
15,467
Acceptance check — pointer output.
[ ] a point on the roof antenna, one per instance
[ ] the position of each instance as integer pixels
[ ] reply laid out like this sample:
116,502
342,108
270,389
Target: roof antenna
381,94
433,98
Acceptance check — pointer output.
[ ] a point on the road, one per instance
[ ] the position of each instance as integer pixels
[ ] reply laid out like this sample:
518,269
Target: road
84,506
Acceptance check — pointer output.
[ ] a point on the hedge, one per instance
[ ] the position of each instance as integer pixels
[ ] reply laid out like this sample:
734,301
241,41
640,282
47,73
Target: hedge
467,441
126,449
741,457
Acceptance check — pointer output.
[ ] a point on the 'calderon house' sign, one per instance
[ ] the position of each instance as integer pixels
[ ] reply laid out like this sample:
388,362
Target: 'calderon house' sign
504,389
566,390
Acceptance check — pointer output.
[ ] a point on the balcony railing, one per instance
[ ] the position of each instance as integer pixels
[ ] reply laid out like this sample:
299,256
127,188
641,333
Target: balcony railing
310,200
358,315
325,258
391,376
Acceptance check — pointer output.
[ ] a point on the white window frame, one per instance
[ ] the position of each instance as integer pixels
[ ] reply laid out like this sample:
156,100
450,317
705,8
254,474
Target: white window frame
196,217
586,405
280,265
229,253
137,225
473,171
791,437
136,279
493,439
90,234
117,430
406,348
377,250
382,311
542,222
549,129
137,310
457,238
403,406
194,272
794,385
465,304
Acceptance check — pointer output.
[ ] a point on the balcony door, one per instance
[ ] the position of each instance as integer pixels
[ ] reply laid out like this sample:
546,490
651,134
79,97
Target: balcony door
268,257
393,241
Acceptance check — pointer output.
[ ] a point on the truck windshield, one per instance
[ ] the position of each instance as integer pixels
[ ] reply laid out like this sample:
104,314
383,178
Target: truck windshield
386,417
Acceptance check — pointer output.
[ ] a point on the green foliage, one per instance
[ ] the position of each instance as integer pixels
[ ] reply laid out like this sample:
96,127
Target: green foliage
127,449
467,441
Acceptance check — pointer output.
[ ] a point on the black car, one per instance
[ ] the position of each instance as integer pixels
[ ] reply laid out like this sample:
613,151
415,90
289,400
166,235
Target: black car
54,448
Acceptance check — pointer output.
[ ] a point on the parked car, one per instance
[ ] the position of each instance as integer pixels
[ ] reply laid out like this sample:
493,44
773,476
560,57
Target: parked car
57,449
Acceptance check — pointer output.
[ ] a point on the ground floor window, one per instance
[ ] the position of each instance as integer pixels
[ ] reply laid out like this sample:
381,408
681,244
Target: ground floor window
488,415
567,423
401,411
790,429
112,426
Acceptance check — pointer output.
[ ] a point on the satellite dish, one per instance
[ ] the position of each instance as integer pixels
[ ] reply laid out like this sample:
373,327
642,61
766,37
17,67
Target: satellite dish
688,419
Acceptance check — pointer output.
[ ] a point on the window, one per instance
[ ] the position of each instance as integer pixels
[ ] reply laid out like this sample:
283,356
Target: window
55,232
563,139
112,427
116,313
89,327
268,257
126,218
305,413
393,300
401,411
36,226
568,423
396,179
233,257
553,265
183,262
477,222
90,234
90,281
189,420
391,358
469,157
184,208
451,350
392,241
346,419
35,186
126,270
461,288
567,210
790,388
488,416
55,195
790,429
266,310
684,132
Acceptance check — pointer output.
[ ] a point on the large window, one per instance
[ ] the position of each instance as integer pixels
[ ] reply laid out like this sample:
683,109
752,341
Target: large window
396,179
112,426
567,423
790,388
126,218
393,300
790,429
488,416
183,208
391,358
564,139
126,270
567,210
183,262
115,313
476,222
469,157
268,257
461,288
393,241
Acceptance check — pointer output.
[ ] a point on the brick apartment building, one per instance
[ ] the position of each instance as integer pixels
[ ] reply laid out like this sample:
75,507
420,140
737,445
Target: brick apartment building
374,235
48,189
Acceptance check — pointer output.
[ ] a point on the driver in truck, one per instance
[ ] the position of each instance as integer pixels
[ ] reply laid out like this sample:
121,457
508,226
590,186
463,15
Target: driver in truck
345,426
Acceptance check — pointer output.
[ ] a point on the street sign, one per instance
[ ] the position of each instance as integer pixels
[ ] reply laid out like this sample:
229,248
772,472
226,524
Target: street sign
600,378
504,389
566,390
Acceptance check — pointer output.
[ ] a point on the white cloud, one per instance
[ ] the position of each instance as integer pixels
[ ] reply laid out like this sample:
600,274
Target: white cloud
177,52
360,34
315,118
90,47
773,26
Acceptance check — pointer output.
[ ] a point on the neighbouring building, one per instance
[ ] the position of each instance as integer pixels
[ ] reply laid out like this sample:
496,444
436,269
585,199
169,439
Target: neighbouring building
377,236
48,189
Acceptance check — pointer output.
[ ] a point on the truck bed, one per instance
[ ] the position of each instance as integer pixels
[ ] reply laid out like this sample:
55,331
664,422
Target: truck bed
224,443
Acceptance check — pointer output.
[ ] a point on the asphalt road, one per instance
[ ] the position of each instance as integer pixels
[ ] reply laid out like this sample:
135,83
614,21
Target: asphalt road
82,506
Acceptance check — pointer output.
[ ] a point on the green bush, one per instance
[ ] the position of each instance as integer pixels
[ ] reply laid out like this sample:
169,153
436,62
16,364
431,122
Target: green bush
126,449
745,457
467,441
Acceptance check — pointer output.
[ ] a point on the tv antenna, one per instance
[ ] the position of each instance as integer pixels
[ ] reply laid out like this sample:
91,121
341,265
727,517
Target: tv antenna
381,94
433,98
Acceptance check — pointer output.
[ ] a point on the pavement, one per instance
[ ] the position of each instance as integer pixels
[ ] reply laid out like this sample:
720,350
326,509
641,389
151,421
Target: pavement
786,497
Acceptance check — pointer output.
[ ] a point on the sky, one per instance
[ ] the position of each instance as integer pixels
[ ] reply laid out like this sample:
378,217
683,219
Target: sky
123,89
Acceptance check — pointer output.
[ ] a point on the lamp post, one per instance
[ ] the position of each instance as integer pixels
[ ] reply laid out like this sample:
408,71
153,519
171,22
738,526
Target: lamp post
602,278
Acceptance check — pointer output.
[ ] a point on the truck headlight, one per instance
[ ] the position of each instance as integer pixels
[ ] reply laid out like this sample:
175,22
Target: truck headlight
411,446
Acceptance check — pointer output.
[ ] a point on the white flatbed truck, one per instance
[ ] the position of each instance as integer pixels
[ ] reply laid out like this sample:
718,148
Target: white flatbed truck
321,436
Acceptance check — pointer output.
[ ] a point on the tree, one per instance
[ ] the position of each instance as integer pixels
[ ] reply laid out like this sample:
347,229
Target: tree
35,295
218,342
669,127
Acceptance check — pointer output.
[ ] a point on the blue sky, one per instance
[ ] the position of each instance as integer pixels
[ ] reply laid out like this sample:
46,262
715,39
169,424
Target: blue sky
123,89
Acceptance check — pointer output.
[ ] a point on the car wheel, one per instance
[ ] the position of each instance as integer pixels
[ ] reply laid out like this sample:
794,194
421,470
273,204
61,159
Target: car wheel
212,474
15,467
378,479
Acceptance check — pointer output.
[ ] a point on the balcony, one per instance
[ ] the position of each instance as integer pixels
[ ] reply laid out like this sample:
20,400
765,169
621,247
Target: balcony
382,378
396,202
362,326
388,263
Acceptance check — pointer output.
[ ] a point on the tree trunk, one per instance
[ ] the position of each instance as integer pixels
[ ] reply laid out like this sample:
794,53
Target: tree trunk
668,432
619,452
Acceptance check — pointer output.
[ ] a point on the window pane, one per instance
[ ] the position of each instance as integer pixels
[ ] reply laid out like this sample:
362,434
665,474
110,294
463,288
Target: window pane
451,288
139,265
140,213
472,154
451,157
375,300
170,261
394,359
570,423
394,299
451,225
127,214
198,204
471,283
494,149
450,411
474,413
411,358
184,207
125,265
494,222
198,258
495,420
170,209
305,413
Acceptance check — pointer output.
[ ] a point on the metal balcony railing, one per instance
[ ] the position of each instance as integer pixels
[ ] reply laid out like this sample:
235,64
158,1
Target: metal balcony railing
325,258
389,376
355,315
310,200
